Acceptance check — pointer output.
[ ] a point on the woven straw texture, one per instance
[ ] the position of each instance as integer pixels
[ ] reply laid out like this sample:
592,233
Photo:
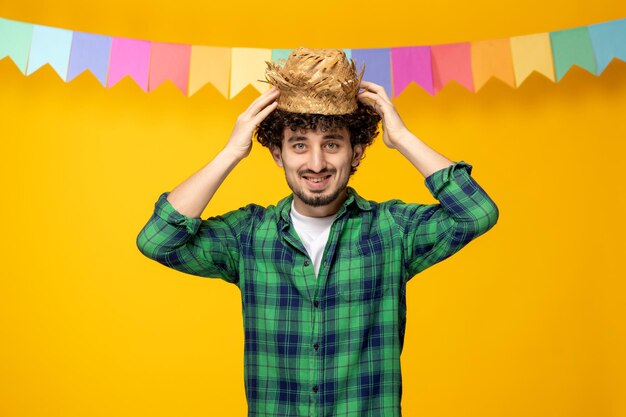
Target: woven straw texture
317,81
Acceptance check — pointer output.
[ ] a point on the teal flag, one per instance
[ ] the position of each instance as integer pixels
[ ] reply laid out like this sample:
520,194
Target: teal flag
284,53
15,38
280,53
569,47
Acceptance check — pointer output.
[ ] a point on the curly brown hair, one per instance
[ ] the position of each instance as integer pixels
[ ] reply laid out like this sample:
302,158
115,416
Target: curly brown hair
362,125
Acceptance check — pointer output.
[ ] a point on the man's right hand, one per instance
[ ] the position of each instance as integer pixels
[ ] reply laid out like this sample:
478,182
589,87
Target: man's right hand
240,142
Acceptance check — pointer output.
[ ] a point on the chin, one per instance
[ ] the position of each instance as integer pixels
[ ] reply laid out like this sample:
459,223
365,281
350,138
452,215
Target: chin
319,199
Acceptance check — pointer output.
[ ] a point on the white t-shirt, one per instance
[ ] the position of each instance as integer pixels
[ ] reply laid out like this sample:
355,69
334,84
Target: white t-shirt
313,232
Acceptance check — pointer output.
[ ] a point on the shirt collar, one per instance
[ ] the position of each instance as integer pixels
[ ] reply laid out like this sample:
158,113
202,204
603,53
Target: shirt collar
354,198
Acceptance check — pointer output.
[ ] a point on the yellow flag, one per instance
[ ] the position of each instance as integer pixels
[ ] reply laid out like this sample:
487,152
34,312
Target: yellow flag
248,67
532,53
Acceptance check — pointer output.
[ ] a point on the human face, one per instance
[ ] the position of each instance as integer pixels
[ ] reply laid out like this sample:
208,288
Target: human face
317,168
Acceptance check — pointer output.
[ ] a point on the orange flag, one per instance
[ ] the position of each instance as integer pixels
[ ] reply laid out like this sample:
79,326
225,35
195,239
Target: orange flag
210,64
492,58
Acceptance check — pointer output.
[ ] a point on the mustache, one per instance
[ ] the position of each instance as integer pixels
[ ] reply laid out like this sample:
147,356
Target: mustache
325,171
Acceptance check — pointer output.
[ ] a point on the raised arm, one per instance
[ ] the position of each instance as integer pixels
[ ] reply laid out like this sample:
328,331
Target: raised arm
177,237
397,136
193,195
432,232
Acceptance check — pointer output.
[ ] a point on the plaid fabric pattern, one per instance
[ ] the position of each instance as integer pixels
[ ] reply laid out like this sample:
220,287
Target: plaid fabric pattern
328,346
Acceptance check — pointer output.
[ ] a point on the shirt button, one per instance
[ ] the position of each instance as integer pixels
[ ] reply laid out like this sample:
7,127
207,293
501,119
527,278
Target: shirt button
315,388
316,346
316,303
306,263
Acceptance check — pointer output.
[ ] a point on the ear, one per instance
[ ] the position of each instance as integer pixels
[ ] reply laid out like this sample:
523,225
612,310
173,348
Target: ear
277,154
357,154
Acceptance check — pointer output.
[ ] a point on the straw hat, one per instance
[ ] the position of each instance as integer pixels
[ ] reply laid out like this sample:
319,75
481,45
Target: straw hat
319,81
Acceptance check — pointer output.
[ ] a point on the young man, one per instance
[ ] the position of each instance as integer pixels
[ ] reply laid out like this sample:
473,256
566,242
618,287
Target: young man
323,273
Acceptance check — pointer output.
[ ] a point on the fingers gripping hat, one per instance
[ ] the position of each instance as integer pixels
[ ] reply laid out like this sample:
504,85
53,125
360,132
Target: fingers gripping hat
318,81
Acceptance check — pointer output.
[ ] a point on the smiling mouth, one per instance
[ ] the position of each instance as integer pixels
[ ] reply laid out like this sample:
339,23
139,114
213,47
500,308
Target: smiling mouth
316,182
316,179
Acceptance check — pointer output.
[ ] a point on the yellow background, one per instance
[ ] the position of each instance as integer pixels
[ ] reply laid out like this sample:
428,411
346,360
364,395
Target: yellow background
528,320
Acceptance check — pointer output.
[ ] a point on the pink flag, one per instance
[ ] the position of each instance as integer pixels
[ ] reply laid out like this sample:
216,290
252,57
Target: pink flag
169,61
452,62
129,57
411,63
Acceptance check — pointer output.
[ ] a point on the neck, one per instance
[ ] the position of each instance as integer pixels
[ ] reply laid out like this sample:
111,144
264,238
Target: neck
320,211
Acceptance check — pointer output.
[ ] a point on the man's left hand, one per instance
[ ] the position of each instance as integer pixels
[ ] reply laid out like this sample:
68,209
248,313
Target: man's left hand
376,97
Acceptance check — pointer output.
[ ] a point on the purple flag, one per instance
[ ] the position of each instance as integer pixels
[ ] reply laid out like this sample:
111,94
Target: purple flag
377,66
90,52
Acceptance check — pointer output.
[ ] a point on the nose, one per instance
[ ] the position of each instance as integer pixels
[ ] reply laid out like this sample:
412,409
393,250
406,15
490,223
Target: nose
317,160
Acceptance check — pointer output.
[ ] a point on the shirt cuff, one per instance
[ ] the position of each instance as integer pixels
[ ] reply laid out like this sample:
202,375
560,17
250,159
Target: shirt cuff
164,209
438,180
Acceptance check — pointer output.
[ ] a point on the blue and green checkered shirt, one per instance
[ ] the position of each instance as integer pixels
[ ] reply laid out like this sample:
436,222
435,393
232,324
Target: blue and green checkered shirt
328,346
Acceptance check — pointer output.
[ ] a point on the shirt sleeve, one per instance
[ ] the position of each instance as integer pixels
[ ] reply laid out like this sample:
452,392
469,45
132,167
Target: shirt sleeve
206,248
433,232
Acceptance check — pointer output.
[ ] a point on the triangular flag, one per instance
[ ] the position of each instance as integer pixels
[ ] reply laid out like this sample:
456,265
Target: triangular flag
471,64
411,63
15,39
492,58
248,67
50,46
209,65
609,41
569,47
169,61
532,53
280,54
129,57
90,52
377,66
452,62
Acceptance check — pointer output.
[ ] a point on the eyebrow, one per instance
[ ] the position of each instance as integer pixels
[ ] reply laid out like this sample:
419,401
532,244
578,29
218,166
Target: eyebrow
296,138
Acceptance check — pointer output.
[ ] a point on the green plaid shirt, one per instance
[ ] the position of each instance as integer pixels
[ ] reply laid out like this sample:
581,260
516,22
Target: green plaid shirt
328,346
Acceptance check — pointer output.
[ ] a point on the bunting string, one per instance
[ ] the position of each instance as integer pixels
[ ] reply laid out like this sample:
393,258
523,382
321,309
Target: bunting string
230,69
